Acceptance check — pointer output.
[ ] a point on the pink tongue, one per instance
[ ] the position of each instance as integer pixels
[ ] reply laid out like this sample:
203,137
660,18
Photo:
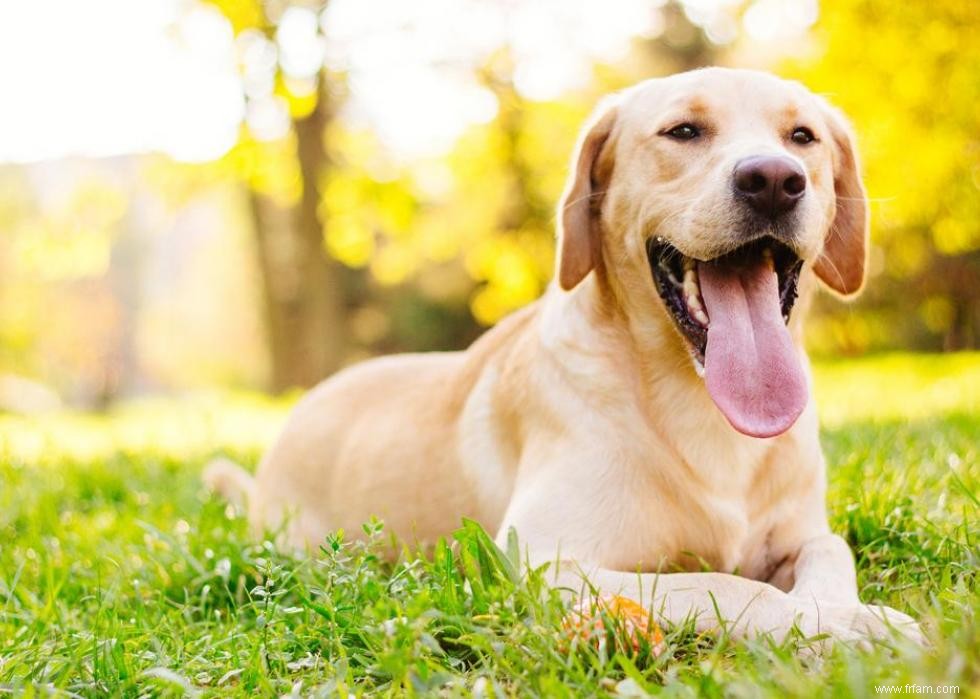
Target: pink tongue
751,366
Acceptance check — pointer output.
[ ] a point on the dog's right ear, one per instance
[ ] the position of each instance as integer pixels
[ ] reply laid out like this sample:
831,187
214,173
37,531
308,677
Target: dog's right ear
578,226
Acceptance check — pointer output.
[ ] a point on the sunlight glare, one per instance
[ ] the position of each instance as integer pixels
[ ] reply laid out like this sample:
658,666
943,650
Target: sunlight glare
771,20
300,44
110,77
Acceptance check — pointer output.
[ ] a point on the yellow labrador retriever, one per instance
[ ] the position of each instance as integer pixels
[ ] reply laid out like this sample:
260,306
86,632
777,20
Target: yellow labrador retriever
652,411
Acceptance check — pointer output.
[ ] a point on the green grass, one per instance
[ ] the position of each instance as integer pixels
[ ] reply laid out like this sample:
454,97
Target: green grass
119,575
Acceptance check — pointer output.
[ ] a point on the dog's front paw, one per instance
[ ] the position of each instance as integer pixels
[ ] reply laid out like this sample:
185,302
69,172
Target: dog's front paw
863,623
873,621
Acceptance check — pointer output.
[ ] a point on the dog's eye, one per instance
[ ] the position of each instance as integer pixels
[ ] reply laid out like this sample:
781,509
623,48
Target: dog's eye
802,135
684,132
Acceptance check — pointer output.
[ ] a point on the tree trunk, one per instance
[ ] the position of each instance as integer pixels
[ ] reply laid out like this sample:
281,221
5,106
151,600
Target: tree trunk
303,289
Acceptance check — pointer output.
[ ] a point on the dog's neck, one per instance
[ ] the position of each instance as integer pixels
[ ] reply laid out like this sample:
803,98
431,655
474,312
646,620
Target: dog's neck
593,319
589,324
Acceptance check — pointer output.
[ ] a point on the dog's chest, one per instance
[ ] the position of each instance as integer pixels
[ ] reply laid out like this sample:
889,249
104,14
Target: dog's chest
691,511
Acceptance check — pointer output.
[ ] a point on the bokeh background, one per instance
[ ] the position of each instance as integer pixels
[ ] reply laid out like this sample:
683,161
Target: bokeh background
250,195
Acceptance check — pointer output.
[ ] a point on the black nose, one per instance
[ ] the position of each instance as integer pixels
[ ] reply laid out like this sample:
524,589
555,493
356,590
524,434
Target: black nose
771,185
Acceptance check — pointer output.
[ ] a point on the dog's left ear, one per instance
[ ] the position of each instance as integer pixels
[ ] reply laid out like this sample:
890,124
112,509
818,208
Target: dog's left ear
578,227
841,265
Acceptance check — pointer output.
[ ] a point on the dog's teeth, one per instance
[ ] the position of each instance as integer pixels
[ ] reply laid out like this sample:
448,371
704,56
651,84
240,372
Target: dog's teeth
688,264
692,295
697,312
691,287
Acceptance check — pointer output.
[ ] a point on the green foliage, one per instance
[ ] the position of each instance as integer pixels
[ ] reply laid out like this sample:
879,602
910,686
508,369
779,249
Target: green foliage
120,576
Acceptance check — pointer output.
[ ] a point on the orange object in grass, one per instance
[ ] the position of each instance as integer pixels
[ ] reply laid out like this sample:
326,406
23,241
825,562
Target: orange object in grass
632,625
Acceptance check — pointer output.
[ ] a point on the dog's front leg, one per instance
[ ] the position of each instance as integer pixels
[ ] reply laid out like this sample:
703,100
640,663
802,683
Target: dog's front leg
715,601
825,576
824,571
741,607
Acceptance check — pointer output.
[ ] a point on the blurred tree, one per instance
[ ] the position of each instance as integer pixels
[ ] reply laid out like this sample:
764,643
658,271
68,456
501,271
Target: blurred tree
305,291
908,75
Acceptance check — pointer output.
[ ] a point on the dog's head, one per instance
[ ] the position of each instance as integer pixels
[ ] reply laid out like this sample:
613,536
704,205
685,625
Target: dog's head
705,195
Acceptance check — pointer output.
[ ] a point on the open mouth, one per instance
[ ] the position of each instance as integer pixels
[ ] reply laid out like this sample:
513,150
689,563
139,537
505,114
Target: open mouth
733,313
677,279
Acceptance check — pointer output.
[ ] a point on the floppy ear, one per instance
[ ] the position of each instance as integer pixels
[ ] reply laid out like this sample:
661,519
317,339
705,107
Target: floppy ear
842,263
578,227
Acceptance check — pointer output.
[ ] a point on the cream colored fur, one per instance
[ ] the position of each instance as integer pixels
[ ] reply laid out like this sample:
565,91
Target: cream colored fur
581,421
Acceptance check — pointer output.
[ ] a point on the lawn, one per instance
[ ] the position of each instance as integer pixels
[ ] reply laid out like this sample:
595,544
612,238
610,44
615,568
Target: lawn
120,575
